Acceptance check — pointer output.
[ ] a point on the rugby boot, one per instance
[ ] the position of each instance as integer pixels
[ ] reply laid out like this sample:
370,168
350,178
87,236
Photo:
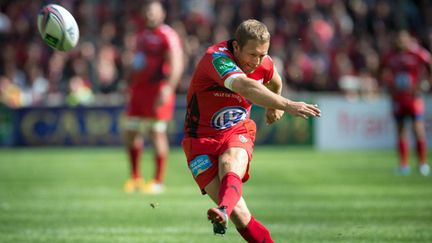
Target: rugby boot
219,219
133,185
424,169
403,170
153,187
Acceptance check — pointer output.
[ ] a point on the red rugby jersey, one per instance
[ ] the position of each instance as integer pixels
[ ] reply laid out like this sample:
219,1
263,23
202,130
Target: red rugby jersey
149,65
211,107
405,68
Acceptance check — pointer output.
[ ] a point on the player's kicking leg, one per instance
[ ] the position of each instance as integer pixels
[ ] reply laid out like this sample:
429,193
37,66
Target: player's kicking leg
226,191
231,167
249,228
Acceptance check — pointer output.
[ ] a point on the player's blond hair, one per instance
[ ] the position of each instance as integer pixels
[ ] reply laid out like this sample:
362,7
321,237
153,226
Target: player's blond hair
251,29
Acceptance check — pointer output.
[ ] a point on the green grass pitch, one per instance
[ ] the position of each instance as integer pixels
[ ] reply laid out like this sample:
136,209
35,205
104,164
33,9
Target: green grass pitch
301,195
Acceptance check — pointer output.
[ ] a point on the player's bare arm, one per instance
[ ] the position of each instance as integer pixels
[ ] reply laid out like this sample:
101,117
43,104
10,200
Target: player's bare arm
429,76
425,80
262,96
174,58
275,85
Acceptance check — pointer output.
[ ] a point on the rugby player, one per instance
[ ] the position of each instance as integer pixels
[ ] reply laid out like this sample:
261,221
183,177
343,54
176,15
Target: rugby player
219,134
156,70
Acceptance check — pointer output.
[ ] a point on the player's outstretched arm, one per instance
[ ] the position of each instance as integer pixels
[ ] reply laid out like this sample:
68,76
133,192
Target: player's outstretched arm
260,95
274,85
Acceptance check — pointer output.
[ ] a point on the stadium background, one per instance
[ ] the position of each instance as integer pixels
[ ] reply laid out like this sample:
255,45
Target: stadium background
330,179
326,50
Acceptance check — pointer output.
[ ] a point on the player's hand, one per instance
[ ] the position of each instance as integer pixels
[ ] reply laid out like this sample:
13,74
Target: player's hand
303,109
273,115
163,96
422,86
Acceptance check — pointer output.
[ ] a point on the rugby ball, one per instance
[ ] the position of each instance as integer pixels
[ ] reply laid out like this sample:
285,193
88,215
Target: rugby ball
58,27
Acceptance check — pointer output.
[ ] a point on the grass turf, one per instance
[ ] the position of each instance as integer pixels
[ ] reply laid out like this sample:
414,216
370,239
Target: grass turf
301,195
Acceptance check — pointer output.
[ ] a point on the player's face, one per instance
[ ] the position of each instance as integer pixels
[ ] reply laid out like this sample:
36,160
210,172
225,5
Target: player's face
154,15
251,55
403,40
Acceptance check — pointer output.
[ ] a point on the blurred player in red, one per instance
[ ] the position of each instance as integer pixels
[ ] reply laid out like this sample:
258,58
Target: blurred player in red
403,70
219,135
156,70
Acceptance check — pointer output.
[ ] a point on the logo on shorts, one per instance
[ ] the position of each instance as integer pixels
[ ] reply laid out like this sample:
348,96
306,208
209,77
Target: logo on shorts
224,64
228,117
199,164
242,138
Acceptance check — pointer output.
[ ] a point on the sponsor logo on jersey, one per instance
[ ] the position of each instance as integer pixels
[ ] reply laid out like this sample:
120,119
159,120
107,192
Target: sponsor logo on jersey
200,164
224,64
242,138
403,81
228,117
139,61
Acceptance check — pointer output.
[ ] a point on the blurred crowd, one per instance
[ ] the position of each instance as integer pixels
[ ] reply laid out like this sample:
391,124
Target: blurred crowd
318,45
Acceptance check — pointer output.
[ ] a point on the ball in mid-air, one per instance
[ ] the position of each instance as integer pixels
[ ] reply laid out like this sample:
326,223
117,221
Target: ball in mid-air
58,27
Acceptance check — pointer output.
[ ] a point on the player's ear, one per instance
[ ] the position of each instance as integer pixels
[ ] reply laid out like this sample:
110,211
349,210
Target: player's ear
236,46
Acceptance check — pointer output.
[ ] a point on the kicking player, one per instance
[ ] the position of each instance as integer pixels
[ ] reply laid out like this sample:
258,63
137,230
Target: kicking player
403,69
156,70
219,135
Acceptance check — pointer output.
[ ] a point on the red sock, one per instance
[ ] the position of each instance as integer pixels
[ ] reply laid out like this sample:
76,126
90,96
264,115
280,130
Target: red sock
255,232
160,168
403,151
134,159
230,191
421,150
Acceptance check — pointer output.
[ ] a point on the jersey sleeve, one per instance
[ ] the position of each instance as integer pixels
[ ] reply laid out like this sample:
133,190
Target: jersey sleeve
270,67
171,38
424,55
223,69
174,41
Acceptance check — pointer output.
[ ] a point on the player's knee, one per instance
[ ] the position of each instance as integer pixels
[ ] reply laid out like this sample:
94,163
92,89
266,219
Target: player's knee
232,163
225,165
137,142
